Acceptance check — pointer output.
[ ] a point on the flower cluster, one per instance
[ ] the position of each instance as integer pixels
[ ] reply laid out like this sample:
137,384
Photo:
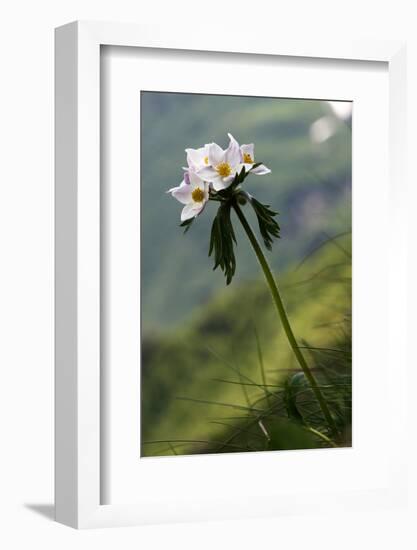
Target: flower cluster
216,174
210,171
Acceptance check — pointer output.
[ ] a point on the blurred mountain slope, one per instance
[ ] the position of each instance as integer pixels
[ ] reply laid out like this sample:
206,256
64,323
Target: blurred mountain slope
189,362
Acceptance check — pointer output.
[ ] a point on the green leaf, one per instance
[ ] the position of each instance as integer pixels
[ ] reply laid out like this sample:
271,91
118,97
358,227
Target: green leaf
242,175
268,226
222,240
187,224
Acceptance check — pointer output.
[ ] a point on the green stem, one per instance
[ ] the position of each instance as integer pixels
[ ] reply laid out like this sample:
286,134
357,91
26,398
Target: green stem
276,296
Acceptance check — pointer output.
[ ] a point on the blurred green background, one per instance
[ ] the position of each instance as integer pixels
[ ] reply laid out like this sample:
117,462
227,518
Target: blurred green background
193,326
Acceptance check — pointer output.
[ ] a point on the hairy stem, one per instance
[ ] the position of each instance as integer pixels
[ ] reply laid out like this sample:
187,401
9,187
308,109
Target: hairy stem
276,296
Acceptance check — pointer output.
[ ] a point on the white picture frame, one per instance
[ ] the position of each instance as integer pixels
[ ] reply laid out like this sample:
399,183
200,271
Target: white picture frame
78,404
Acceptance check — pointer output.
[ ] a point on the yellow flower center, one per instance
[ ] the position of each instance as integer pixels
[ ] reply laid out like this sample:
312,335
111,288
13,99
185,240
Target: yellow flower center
197,195
224,169
205,160
247,158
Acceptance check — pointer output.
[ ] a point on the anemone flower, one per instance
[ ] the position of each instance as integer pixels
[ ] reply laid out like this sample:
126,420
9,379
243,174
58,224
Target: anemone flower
248,160
223,165
193,192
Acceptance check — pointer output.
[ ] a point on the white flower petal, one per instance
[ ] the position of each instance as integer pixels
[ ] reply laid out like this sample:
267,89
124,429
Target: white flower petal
218,184
228,180
232,139
233,155
248,149
206,191
215,154
196,180
187,212
191,210
182,193
260,170
208,173
195,157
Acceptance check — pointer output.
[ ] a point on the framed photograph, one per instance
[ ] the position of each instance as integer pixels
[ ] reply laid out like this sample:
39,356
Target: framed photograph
228,220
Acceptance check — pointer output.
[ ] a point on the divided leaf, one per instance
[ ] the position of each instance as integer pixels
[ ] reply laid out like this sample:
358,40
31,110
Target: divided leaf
268,226
222,242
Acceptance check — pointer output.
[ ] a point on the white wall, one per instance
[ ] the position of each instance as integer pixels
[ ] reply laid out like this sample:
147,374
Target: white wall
26,273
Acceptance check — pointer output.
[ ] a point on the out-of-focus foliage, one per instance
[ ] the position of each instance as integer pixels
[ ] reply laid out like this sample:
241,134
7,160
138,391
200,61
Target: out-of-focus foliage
209,381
